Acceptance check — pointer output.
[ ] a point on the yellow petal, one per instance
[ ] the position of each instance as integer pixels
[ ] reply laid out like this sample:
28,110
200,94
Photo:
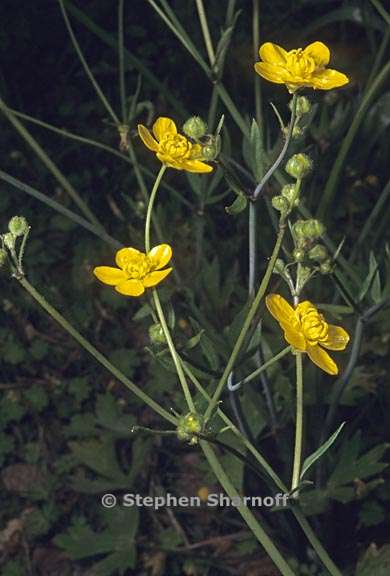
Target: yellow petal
123,256
160,256
130,288
280,309
147,138
328,79
337,338
322,359
109,275
169,161
319,52
270,72
164,126
154,278
294,337
196,166
272,53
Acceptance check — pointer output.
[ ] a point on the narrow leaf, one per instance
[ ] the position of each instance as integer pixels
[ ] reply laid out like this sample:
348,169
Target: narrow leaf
320,451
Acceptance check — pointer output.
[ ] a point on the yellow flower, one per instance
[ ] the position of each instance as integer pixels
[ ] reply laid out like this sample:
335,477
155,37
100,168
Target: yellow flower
136,270
306,330
300,68
173,149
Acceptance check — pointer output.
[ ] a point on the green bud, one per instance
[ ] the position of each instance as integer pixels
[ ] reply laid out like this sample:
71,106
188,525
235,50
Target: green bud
9,240
289,192
280,203
318,253
303,105
188,425
326,267
297,132
195,127
156,334
279,266
312,229
298,255
299,165
18,225
298,227
3,257
211,148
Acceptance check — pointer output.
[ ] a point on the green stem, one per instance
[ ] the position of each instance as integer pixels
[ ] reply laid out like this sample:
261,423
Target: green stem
121,61
298,424
256,44
385,15
265,366
205,31
39,151
253,309
94,352
156,299
245,512
84,64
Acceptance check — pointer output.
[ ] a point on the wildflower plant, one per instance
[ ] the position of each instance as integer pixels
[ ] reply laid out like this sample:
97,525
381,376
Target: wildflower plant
301,253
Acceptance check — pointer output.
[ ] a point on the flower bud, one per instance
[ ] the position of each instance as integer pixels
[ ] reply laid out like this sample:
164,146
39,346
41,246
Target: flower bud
297,228
312,229
303,105
3,257
279,266
280,203
18,225
156,334
188,425
318,253
195,127
211,148
299,165
298,255
9,240
289,192
297,132
326,267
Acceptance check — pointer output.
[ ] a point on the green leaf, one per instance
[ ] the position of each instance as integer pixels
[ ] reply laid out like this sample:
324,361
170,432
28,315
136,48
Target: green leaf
310,460
100,456
239,204
257,150
375,561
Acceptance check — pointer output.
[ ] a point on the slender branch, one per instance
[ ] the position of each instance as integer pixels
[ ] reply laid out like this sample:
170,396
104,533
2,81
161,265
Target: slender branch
205,31
121,61
298,424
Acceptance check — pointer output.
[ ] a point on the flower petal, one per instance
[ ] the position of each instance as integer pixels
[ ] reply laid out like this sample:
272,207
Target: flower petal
163,126
280,309
160,256
337,338
319,52
328,79
109,275
294,337
196,166
147,138
123,256
273,53
130,288
322,359
154,278
270,72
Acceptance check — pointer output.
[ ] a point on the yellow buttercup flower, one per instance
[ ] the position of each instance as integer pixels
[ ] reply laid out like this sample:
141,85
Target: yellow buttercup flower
300,68
136,270
307,331
173,149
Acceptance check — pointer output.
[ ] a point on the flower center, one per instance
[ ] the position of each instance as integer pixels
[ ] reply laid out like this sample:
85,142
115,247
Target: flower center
314,327
175,146
300,64
136,266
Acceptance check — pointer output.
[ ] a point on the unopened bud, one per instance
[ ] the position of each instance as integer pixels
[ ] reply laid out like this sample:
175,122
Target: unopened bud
303,105
189,425
298,255
195,127
289,192
326,267
18,225
318,253
299,165
298,227
211,148
280,203
313,229
279,266
9,240
156,334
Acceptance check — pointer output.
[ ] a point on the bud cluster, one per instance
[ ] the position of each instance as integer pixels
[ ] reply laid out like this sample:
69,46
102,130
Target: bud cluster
302,108
17,227
188,426
307,234
196,129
